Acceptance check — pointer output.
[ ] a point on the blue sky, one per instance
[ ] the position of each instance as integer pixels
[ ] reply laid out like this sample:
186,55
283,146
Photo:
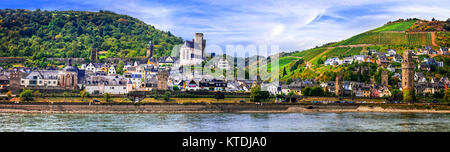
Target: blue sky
291,24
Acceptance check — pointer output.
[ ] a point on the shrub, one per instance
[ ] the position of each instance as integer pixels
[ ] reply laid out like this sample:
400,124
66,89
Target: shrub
107,97
166,96
26,95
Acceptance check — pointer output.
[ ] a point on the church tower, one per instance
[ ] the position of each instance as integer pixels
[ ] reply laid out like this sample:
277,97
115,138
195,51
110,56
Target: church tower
408,77
94,55
149,53
199,43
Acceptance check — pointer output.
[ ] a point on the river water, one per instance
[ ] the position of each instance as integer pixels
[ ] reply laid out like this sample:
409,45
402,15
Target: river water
226,122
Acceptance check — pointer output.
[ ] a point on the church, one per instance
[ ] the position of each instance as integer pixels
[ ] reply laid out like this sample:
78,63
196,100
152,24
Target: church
192,52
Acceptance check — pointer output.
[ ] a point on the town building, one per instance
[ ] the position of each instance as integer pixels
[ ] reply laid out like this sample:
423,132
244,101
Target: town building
192,52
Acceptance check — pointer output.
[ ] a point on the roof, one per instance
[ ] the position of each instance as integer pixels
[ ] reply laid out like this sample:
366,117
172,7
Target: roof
3,77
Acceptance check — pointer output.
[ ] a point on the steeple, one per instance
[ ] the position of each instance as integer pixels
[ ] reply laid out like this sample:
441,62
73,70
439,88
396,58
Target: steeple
149,53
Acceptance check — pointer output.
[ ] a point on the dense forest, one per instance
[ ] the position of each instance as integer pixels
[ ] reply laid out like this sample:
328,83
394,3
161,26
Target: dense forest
42,34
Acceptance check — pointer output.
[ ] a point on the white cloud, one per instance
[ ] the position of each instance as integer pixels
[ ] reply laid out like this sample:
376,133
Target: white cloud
292,24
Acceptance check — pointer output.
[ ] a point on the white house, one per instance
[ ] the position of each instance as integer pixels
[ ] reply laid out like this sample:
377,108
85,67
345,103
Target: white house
348,60
359,58
391,52
333,61
111,70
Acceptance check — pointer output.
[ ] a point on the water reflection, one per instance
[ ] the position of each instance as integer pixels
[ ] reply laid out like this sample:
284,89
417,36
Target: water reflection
253,122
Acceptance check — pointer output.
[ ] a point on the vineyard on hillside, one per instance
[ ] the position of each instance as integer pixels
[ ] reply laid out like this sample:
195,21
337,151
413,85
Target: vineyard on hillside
390,38
309,54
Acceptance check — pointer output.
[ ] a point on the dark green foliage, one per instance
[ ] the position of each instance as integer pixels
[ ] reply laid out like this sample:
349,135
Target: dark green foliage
107,97
313,91
397,95
166,96
26,95
296,64
43,34
219,95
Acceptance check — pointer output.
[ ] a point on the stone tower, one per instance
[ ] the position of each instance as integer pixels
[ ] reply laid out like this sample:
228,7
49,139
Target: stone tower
162,77
14,82
199,43
384,78
149,50
94,55
408,77
338,85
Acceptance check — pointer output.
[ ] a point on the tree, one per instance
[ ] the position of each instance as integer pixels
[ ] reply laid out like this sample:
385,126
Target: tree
447,96
65,95
264,95
167,95
26,95
289,81
83,94
396,95
254,93
175,88
36,93
291,93
119,67
107,97
219,95
9,94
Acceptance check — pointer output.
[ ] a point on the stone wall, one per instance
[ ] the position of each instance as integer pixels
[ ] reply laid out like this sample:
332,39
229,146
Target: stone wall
157,108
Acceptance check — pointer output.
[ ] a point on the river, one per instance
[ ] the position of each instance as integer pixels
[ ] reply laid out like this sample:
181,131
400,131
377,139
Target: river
226,122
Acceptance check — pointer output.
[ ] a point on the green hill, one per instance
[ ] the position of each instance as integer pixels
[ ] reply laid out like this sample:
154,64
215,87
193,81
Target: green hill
395,33
42,34
400,35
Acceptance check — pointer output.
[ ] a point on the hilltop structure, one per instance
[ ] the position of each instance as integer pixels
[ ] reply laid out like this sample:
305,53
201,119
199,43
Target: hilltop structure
408,77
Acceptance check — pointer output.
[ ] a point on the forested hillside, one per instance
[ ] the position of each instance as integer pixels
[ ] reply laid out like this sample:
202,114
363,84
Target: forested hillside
43,34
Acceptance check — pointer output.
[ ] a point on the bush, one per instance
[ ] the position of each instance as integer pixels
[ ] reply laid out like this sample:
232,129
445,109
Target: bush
107,97
175,88
26,95
167,95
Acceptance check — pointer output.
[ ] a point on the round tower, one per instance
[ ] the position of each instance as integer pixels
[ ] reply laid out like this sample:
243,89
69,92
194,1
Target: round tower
408,77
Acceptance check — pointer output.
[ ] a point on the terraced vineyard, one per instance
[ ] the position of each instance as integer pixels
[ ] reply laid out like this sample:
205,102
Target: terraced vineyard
416,38
354,51
389,38
390,34
309,54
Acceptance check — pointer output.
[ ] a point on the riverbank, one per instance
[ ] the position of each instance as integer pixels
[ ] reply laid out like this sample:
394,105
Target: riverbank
87,108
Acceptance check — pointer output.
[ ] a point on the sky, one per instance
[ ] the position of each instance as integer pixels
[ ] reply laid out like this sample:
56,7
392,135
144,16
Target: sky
290,24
